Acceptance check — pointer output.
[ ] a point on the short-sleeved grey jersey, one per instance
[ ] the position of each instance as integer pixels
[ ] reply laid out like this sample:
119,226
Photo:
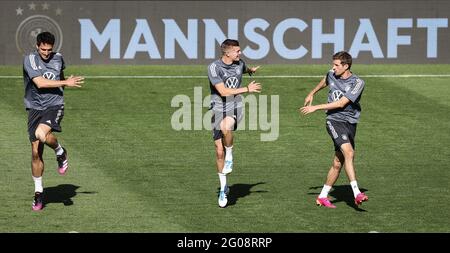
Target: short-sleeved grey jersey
231,76
352,89
34,66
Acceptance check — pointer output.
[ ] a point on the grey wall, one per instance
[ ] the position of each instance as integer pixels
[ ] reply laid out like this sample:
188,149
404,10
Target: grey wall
189,32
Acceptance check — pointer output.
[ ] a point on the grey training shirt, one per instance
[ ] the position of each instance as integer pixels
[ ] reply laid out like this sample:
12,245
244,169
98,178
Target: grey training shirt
34,66
352,89
231,76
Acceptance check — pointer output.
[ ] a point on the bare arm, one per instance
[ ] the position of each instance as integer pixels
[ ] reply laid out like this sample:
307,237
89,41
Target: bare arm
224,91
341,103
309,99
72,81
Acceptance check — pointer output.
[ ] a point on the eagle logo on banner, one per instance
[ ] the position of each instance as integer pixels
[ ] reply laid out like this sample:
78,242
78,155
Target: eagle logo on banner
35,22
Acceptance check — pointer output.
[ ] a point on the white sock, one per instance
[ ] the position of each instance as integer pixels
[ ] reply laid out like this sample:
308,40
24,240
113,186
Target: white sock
38,184
325,190
223,181
229,153
59,150
355,188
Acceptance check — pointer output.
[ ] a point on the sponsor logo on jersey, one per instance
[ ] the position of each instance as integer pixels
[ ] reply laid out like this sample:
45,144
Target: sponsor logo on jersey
232,82
336,95
49,75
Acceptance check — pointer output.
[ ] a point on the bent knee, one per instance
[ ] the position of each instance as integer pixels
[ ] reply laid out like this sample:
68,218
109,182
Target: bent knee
41,135
227,124
227,132
347,150
349,154
337,165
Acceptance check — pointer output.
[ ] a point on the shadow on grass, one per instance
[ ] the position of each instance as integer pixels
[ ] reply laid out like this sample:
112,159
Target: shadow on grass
341,193
62,193
238,191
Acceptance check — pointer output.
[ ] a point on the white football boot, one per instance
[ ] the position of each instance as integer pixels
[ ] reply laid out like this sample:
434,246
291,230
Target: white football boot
223,200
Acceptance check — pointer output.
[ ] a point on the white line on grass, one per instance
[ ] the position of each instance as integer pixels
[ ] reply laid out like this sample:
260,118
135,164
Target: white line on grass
205,77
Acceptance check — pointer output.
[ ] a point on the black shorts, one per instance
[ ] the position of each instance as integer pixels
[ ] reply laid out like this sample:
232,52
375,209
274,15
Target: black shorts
217,117
51,117
341,132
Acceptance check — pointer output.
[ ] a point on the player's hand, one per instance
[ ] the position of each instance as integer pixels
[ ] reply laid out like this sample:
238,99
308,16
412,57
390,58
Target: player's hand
308,100
307,109
251,71
74,81
254,87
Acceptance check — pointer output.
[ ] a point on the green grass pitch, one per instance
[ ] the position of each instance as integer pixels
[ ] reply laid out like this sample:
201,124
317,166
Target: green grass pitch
131,172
